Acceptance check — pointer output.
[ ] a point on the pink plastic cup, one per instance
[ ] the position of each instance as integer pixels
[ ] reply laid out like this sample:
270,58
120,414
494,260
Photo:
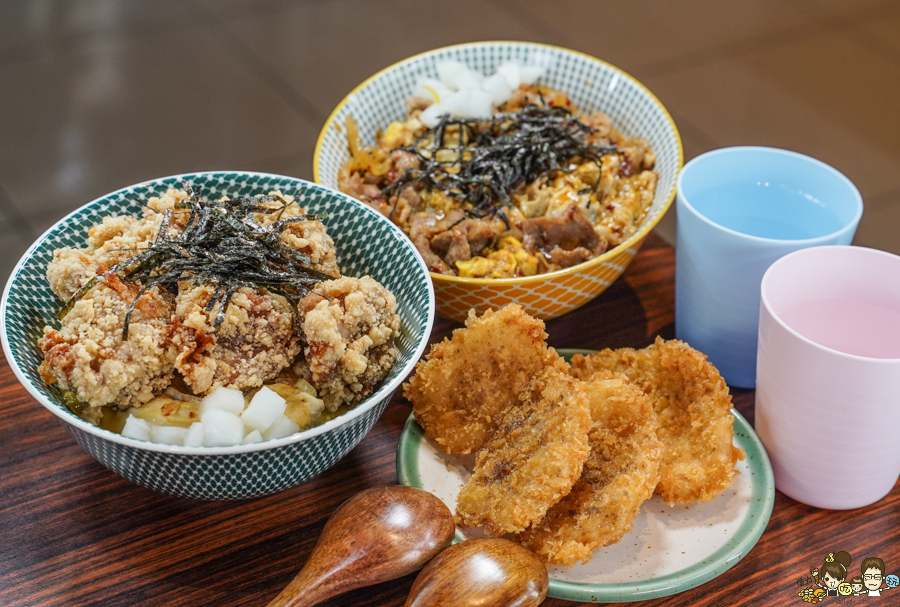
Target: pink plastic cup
828,375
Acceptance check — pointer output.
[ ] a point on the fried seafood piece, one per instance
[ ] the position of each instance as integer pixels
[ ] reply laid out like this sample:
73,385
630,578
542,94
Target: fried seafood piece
349,325
255,342
87,355
464,383
532,459
693,411
619,475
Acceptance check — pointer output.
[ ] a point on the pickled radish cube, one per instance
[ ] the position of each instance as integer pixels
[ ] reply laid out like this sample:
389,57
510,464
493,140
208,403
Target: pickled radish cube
281,427
194,436
469,79
168,435
265,407
223,399
449,71
497,87
221,428
136,428
468,103
431,88
531,73
511,71
253,437
431,115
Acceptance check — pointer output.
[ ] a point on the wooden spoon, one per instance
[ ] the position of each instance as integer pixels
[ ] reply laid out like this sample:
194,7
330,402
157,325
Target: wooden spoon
494,572
377,535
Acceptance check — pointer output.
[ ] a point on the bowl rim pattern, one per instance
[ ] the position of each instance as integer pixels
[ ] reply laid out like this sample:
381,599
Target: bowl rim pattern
635,238
383,393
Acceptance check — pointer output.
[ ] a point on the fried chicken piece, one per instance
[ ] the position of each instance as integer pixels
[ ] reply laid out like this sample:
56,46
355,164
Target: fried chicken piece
112,241
70,270
532,459
693,410
87,355
619,475
308,237
464,383
254,343
349,325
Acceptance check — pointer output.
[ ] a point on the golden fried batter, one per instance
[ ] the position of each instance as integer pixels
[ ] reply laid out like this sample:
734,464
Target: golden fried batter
308,237
693,410
349,325
113,240
255,342
87,355
533,458
619,475
465,382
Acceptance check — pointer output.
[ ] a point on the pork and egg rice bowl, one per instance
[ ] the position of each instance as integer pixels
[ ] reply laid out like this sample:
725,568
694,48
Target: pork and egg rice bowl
200,306
500,177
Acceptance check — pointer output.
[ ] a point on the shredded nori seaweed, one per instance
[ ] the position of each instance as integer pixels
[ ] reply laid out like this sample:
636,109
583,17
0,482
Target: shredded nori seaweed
221,245
494,157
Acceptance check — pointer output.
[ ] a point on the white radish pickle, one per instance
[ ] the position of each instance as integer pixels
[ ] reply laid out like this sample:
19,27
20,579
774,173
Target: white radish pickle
168,435
466,93
194,436
136,428
224,399
221,428
265,407
281,427
253,437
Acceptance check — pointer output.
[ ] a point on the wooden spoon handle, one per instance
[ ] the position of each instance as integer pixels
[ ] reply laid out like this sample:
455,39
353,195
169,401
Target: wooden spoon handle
380,534
305,591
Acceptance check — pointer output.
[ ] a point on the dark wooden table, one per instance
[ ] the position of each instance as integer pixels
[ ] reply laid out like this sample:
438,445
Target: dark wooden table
73,533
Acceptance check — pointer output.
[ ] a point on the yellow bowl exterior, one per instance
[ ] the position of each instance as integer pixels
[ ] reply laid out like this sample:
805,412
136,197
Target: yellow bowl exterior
546,299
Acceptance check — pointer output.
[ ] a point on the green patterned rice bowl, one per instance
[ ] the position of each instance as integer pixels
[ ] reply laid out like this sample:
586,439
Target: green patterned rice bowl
366,243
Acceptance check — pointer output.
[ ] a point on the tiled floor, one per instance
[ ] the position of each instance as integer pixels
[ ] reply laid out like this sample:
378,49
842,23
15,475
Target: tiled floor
99,94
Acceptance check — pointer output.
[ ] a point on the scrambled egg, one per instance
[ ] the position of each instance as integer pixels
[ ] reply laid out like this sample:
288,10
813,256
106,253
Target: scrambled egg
399,134
508,261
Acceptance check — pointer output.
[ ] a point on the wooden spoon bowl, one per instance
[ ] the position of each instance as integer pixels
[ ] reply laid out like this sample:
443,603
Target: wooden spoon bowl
377,535
494,572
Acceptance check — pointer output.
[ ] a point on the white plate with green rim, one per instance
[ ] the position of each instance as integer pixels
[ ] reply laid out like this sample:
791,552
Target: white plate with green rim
669,549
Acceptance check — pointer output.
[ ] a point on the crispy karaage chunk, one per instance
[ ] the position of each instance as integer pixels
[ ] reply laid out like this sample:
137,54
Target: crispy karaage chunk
532,459
693,411
255,342
70,270
349,326
464,383
619,475
112,241
88,356
308,237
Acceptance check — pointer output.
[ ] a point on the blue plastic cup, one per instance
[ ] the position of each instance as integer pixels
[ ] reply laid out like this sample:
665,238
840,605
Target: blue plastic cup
739,210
